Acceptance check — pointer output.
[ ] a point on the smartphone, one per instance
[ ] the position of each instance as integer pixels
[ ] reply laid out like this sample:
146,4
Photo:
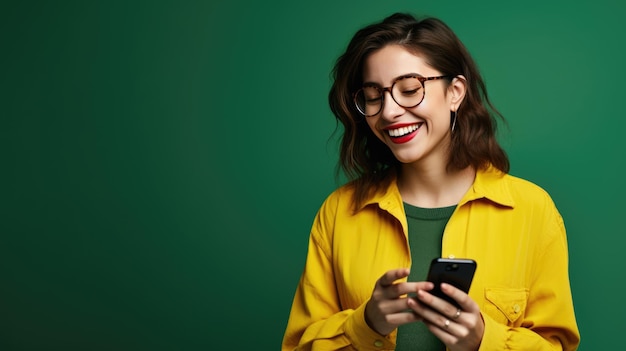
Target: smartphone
457,272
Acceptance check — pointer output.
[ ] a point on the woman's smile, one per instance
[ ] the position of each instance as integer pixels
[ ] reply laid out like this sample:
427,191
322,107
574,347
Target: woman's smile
401,134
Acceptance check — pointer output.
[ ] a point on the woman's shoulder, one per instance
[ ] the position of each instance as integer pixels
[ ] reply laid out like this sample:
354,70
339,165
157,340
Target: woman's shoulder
494,178
528,194
341,196
524,186
512,190
363,193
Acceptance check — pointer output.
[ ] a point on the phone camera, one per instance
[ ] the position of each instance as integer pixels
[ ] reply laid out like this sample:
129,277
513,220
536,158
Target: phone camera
452,267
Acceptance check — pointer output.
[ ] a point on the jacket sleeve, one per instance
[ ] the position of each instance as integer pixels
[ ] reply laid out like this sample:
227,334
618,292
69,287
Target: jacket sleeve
317,320
548,322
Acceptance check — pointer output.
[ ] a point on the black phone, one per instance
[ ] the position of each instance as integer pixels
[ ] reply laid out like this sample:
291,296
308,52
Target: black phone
457,272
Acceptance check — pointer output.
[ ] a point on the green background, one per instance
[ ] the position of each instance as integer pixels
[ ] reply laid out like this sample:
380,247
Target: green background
162,162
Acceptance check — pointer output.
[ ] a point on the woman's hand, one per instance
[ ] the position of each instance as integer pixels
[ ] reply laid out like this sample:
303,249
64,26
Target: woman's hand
458,328
388,307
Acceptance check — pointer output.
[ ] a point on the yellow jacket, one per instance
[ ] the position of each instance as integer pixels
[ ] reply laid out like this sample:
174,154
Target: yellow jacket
508,225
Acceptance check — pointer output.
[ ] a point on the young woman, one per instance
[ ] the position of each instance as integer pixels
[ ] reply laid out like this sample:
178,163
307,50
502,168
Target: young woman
428,180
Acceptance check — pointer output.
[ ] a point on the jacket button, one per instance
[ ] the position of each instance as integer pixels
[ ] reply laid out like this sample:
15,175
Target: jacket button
516,308
378,343
451,256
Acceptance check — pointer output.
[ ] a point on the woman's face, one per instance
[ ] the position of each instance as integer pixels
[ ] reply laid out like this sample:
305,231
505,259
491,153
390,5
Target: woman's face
420,134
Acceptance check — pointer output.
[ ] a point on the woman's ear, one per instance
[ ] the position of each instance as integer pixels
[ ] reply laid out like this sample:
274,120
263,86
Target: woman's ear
458,88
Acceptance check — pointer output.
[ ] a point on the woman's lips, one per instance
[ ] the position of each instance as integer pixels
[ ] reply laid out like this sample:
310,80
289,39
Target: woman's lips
403,134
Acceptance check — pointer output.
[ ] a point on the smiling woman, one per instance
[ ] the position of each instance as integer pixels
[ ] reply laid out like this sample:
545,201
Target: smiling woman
428,179
432,123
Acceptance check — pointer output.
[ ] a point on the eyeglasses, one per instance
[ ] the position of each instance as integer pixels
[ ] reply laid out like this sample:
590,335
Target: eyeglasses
407,91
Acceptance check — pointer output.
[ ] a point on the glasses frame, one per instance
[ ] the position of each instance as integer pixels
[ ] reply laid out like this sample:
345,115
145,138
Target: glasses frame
390,90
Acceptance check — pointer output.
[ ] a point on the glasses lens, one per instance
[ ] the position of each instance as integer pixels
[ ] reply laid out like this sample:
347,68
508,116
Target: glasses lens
408,92
368,100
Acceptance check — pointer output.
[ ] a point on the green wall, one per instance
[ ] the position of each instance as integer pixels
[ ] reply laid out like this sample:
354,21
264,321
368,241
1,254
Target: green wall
162,161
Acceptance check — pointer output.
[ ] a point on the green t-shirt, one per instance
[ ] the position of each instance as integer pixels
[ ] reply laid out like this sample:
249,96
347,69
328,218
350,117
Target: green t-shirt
426,226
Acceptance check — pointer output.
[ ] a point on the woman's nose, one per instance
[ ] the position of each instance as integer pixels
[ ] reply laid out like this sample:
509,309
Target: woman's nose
391,109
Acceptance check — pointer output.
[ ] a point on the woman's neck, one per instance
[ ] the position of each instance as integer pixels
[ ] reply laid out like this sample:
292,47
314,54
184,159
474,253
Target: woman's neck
434,187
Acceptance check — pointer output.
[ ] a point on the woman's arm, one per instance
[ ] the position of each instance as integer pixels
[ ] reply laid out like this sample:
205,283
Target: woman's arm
317,321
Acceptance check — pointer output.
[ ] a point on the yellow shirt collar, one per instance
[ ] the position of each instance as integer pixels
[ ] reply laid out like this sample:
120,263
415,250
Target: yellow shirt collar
485,186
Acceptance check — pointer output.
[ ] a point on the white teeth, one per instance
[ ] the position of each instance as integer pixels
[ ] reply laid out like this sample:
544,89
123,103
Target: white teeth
403,131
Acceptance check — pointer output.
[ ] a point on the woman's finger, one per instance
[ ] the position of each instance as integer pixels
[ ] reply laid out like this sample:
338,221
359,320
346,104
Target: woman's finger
391,276
466,303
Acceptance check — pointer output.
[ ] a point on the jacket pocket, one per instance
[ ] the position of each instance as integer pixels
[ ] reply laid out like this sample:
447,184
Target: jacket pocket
506,305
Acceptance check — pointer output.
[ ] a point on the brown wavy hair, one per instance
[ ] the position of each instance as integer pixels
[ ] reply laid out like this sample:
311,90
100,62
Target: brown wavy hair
365,160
